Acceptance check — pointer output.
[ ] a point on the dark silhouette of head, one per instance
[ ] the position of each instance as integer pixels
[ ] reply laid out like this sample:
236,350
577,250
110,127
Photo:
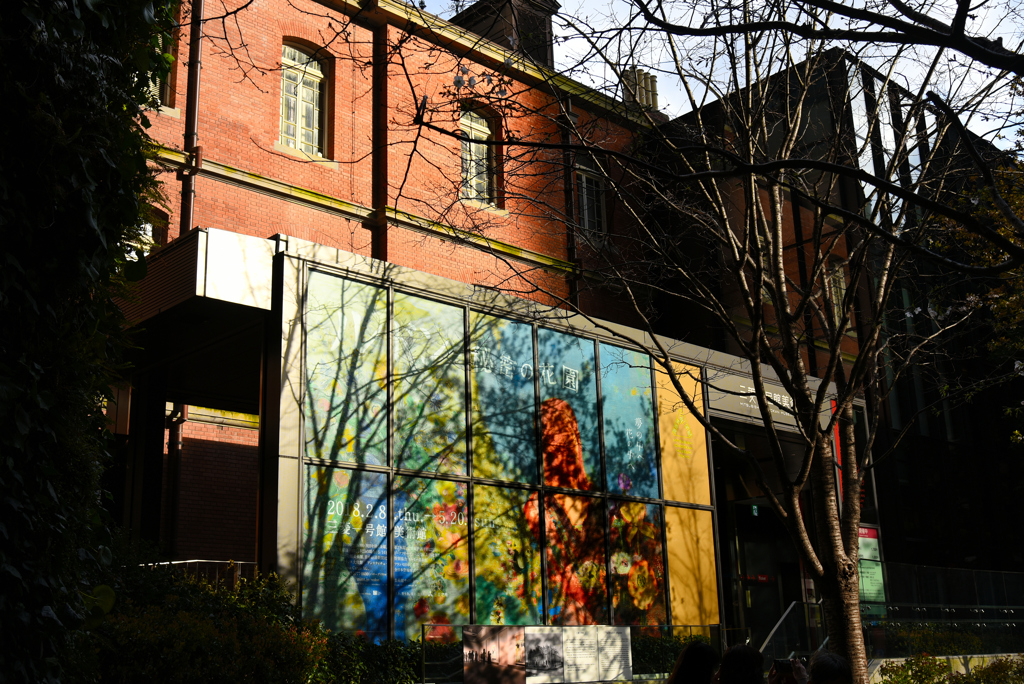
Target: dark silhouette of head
742,664
695,665
829,668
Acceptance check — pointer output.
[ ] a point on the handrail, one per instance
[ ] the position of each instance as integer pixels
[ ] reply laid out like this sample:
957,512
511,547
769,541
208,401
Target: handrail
776,627
967,607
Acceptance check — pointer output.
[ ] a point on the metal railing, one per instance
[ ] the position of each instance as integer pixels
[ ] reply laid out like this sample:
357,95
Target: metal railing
799,632
226,573
925,585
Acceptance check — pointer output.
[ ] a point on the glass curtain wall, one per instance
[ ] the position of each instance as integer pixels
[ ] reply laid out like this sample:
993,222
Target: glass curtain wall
466,468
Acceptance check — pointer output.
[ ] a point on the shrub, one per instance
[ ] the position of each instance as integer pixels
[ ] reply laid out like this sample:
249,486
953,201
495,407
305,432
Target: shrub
658,654
920,669
1001,671
351,659
924,669
170,627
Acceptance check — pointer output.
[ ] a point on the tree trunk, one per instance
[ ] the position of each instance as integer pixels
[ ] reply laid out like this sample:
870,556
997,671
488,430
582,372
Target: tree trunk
840,596
839,583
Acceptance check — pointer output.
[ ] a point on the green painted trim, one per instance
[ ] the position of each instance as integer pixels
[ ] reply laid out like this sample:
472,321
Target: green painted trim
359,212
254,180
449,232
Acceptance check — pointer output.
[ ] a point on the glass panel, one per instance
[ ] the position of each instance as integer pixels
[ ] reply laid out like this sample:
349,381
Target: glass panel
591,200
346,370
430,386
628,405
684,446
638,565
344,551
504,440
431,555
576,566
507,555
568,411
693,584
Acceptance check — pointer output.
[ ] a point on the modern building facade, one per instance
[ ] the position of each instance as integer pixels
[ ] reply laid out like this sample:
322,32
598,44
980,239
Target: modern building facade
357,366
336,380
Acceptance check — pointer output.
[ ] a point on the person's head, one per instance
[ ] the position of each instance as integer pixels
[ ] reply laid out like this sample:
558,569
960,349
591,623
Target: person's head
696,664
829,668
741,665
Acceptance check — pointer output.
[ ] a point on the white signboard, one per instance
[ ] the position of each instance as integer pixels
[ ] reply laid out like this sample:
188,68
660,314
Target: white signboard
735,394
615,659
581,654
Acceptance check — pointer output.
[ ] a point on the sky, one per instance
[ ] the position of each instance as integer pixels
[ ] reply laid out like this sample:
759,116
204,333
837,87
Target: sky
1002,19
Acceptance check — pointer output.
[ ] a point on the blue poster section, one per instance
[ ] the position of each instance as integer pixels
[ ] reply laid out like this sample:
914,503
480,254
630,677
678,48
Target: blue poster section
570,443
628,406
504,440
345,561
346,370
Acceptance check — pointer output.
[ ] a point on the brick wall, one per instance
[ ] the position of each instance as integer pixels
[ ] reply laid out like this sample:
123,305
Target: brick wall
417,170
217,493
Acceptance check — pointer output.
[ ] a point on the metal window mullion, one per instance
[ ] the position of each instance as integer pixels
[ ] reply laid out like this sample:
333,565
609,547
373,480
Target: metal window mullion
608,560
600,417
389,455
470,499
541,496
706,403
604,482
661,492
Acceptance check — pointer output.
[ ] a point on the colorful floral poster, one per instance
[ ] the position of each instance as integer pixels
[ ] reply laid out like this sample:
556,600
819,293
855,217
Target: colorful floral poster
570,443
344,550
575,558
637,564
431,541
346,370
507,557
501,374
628,405
429,386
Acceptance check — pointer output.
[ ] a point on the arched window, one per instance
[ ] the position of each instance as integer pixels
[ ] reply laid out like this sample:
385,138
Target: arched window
478,168
302,92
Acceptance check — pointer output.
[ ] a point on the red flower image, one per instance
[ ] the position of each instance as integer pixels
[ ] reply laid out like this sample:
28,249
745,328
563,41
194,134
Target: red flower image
643,585
440,631
563,447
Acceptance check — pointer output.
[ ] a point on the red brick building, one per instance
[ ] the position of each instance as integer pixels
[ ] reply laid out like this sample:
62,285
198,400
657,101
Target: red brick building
357,333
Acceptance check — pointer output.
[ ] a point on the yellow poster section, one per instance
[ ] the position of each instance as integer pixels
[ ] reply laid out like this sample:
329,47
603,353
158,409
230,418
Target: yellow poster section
684,446
692,577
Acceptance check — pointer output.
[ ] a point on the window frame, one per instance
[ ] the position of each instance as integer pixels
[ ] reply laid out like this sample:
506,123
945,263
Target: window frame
478,146
587,175
835,282
319,69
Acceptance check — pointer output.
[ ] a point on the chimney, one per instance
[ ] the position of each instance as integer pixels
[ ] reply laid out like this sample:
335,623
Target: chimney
640,89
520,25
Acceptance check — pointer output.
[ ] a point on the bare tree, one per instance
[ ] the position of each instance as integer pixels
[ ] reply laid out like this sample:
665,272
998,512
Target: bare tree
819,169
816,181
